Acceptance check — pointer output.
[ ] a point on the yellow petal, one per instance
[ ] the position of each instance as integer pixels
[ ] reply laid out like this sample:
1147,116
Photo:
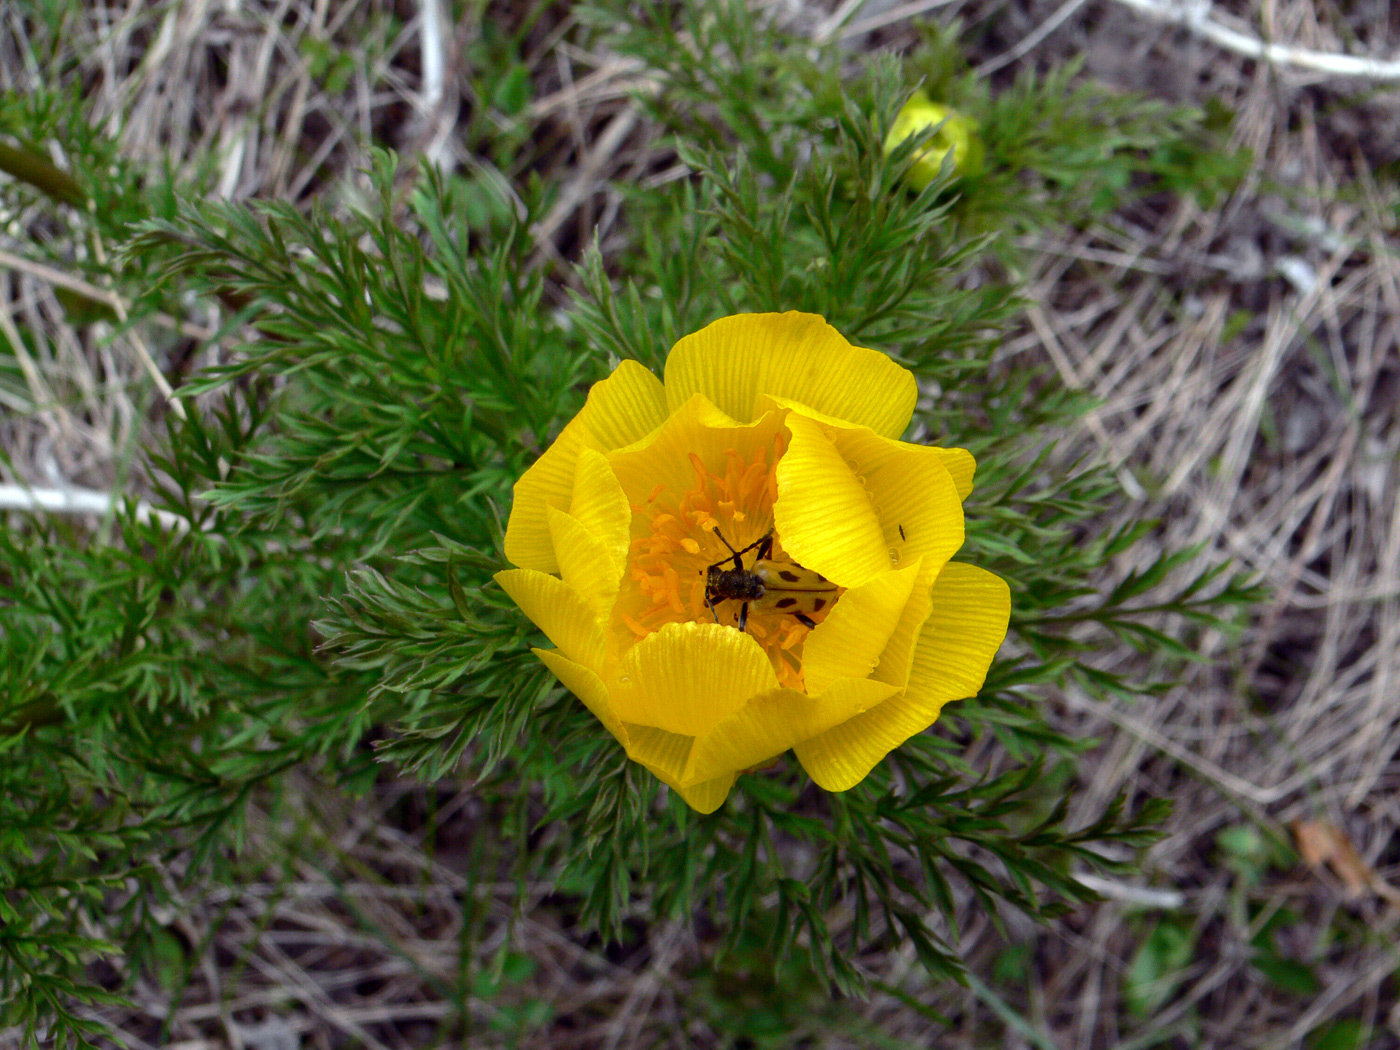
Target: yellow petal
898,653
559,611
626,406
961,466
971,609
842,757
822,512
600,505
662,461
549,482
911,492
959,461
686,677
849,642
697,410
662,754
621,409
966,627
665,754
585,685
704,797
913,495
585,563
736,359
772,723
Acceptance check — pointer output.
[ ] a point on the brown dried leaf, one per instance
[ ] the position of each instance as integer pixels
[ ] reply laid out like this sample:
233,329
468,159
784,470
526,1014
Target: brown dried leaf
1323,844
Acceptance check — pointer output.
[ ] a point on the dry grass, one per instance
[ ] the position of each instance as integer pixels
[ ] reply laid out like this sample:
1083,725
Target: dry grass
1278,446
1246,361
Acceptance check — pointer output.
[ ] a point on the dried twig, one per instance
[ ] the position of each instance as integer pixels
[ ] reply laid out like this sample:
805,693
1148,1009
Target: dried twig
1142,896
877,21
585,180
1194,15
81,501
88,290
1032,39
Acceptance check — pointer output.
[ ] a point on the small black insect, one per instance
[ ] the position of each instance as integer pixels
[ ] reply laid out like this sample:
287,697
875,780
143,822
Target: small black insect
784,585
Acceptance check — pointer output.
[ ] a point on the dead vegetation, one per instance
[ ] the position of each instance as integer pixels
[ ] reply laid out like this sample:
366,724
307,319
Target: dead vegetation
1245,359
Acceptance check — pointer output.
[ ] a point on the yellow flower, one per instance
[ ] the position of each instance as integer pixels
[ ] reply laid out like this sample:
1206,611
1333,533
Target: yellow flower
774,437
958,133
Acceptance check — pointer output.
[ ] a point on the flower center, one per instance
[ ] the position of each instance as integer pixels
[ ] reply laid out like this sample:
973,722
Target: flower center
679,539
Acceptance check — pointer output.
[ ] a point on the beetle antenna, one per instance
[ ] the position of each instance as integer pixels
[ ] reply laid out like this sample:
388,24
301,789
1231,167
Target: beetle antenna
738,561
764,544
716,531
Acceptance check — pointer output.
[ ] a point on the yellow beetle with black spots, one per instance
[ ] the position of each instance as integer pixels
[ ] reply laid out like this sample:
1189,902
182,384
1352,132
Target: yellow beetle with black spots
782,585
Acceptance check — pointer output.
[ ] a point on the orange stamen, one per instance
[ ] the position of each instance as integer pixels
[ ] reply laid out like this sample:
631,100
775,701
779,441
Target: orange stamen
669,561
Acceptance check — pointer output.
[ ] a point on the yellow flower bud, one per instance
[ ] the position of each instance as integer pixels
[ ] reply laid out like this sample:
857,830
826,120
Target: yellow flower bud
957,134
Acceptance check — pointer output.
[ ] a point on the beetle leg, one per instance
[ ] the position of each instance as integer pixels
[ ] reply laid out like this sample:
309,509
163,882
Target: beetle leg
710,602
805,620
739,554
743,616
